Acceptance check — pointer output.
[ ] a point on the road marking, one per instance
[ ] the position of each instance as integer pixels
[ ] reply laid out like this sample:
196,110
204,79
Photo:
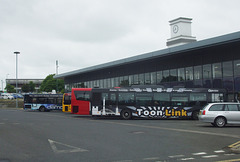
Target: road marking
67,148
209,156
123,161
219,151
151,158
199,153
176,156
138,132
234,144
186,159
231,154
230,160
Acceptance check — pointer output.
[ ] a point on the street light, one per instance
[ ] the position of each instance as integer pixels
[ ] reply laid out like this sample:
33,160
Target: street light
16,53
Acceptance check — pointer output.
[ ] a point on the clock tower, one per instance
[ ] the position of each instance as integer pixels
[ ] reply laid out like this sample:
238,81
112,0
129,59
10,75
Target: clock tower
180,32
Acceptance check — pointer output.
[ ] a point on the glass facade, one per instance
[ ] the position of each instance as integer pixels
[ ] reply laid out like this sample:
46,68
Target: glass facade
216,75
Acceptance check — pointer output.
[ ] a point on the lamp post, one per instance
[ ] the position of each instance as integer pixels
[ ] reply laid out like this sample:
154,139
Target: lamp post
16,53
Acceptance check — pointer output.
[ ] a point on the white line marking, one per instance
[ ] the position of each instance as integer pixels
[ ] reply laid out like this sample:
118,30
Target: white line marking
68,147
209,156
151,158
186,159
231,154
176,156
199,153
219,151
124,161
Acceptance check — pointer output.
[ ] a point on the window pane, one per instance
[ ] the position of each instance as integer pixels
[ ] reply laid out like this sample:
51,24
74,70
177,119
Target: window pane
173,75
181,74
189,73
227,69
161,99
81,95
207,73
217,70
197,72
141,79
153,78
237,68
198,97
116,80
216,108
231,107
131,80
237,84
228,84
136,81
159,77
144,100
165,76
126,98
147,78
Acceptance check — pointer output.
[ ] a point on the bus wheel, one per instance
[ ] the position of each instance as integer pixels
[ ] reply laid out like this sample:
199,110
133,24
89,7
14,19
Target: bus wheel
42,109
126,114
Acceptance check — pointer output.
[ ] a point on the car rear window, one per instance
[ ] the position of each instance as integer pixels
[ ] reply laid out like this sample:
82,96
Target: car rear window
231,107
217,107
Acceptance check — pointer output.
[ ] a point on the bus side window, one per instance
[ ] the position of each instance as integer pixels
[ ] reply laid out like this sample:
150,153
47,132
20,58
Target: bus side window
33,100
113,99
59,101
180,99
143,101
198,99
126,99
161,99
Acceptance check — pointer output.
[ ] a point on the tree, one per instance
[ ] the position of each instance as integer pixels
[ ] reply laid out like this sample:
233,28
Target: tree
31,86
10,88
49,84
28,87
25,88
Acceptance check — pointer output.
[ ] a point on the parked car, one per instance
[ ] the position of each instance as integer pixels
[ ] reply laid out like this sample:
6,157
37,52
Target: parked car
17,95
7,96
220,114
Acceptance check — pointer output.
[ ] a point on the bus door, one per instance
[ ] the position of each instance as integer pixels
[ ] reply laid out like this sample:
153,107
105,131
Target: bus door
104,103
109,102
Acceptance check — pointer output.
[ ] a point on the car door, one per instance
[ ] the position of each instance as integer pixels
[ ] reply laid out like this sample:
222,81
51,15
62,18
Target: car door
232,113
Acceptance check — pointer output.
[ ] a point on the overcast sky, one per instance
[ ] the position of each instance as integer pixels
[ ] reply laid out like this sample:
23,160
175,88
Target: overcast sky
83,33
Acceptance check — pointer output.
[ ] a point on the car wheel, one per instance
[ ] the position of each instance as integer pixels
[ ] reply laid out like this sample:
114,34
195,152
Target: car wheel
220,121
126,114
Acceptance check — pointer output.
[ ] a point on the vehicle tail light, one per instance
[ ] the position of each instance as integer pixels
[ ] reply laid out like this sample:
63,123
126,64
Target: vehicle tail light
204,112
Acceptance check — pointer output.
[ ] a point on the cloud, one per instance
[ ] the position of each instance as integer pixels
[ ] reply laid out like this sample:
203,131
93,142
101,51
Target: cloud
83,33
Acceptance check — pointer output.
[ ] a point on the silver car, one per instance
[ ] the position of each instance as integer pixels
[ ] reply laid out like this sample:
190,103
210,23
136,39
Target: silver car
220,114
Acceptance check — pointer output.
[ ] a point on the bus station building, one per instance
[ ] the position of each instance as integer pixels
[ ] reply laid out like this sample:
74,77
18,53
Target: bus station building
209,63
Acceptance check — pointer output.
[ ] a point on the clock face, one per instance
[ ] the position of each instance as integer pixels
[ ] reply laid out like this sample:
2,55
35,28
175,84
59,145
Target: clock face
175,29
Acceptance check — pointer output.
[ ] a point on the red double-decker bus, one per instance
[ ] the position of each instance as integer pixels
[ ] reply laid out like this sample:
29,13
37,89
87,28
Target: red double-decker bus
80,101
